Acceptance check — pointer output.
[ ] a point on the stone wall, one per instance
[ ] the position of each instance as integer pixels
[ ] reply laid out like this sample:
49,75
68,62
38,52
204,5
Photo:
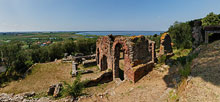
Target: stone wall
103,49
197,34
137,50
165,44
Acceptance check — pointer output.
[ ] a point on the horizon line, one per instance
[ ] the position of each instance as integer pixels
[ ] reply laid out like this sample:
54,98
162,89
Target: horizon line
83,31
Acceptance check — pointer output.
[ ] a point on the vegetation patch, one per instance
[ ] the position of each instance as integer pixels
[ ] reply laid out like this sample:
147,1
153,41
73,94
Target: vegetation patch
74,89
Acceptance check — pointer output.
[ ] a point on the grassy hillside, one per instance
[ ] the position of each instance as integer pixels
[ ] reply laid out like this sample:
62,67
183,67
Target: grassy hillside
204,83
41,77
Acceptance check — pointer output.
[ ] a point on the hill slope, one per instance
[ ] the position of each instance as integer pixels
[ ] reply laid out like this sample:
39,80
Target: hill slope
204,83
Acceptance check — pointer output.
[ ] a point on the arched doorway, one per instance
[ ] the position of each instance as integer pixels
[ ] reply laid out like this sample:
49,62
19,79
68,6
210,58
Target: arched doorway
119,62
104,63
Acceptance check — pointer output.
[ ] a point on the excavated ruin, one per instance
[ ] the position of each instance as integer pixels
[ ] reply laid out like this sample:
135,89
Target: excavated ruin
129,58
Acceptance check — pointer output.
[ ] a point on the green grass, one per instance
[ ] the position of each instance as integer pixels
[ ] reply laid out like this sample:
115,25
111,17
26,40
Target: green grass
180,53
173,97
42,36
162,59
185,70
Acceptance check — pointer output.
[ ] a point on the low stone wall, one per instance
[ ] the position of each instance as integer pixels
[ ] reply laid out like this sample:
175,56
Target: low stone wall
88,63
139,71
104,78
78,59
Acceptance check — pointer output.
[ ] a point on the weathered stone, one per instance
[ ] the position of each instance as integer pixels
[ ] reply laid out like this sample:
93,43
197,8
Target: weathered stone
80,59
74,69
88,63
197,34
57,90
54,90
29,94
2,68
77,59
104,78
51,90
165,44
79,54
44,99
70,57
28,97
65,55
86,71
135,50
151,49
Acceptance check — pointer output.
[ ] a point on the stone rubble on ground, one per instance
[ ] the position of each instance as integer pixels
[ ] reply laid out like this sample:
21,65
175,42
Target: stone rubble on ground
54,90
28,97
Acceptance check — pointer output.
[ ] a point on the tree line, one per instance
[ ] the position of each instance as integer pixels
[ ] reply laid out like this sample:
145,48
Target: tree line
181,32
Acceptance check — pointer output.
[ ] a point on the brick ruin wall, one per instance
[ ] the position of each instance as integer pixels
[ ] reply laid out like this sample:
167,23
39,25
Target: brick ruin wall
139,55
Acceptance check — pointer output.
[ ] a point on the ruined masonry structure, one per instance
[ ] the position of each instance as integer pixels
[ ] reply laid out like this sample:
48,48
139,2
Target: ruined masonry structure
165,44
197,34
136,53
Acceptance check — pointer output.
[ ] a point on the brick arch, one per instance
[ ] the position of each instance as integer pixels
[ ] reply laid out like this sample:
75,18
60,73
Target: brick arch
116,55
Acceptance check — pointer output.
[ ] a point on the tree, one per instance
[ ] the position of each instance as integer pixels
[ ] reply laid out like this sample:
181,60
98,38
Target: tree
69,46
55,51
181,34
211,19
86,46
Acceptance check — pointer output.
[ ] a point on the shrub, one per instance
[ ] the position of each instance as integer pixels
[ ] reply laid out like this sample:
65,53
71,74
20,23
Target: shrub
185,70
211,19
75,89
155,38
162,59
185,62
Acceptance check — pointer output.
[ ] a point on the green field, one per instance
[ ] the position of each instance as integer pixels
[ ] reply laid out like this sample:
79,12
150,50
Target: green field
43,36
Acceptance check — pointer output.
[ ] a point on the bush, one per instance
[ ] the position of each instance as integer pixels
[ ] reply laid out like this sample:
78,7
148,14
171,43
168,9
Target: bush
211,19
185,70
162,59
156,39
75,89
185,63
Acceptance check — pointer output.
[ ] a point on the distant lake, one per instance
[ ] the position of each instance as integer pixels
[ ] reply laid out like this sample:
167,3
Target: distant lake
128,33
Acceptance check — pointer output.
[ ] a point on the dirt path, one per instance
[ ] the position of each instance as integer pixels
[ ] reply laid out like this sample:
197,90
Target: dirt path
151,88
204,85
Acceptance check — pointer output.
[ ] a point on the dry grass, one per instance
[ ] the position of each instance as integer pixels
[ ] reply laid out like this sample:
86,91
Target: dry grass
204,86
41,77
45,74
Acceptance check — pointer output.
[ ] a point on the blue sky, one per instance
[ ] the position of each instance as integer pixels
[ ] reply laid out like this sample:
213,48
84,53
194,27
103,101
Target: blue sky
75,15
